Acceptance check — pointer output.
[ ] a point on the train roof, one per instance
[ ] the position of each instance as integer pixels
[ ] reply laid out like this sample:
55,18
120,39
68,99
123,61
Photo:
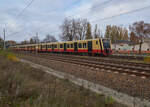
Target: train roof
60,42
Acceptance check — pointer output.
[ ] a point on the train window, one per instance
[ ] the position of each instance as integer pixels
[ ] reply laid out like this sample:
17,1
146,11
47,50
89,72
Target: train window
44,46
71,45
68,46
80,45
106,43
61,45
84,45
96,42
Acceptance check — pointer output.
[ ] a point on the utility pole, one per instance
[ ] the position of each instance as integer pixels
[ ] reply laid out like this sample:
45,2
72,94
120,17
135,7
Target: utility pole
4,30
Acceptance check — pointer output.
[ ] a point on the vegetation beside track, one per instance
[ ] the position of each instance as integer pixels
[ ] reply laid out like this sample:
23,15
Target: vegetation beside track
21,85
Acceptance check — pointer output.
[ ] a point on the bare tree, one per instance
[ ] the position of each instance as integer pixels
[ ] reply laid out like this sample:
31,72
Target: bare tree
141,30
49,38
81,28
73,29
36,39
24,42
67,32
97,32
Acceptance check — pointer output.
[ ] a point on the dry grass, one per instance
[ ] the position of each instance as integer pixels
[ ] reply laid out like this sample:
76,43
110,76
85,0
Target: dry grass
23,86
147,59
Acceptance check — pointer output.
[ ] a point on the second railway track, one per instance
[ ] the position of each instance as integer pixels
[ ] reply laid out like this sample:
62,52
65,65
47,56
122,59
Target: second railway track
110,66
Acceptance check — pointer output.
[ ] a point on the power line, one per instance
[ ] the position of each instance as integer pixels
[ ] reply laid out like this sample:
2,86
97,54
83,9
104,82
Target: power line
136,10
106,18
103,3
28,5
25,8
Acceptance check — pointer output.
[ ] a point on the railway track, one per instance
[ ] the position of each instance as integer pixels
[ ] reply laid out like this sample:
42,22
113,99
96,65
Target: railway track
125,68
106,60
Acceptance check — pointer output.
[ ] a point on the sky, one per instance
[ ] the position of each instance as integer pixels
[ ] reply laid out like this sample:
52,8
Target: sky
46,16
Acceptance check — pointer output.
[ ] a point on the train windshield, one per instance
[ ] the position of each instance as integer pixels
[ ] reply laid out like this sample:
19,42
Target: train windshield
106,43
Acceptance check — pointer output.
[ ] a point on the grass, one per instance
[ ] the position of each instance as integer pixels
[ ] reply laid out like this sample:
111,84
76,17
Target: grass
147,59
23,86
9,55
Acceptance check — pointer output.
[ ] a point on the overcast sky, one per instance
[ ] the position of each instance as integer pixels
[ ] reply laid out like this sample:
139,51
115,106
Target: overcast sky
45,16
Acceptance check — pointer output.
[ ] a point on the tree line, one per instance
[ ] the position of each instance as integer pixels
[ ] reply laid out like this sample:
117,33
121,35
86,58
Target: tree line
81,29
78,29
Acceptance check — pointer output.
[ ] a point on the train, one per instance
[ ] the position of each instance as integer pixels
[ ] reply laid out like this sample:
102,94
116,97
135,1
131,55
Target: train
99,46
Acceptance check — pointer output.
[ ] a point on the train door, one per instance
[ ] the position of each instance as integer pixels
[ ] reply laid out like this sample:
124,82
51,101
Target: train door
65,47
75,47
46,47
52,47
89,46
101,46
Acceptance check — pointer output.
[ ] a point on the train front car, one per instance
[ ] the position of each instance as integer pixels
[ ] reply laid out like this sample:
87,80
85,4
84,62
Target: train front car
106,46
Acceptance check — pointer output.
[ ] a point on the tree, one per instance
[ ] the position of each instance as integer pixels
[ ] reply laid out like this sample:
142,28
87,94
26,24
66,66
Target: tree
24,42
116,33
126,36
49,38
31,41
81,28
97,32
141,30
134,38
36,39
108,31
74,29
88,32
1,42
67,31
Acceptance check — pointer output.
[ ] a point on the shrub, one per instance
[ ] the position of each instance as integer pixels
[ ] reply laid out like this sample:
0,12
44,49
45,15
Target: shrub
147,59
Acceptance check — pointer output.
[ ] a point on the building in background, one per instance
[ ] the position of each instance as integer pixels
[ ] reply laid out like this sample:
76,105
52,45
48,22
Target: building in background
122,46
10,43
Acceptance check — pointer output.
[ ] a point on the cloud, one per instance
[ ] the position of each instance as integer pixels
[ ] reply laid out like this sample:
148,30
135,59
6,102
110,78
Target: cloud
45,16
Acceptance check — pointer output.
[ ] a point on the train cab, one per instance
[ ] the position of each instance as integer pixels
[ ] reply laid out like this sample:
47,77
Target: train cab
106,44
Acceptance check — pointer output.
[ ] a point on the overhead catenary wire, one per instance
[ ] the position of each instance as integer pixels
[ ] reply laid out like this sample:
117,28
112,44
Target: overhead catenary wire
106,18
103,3
132,11
28,5
135,10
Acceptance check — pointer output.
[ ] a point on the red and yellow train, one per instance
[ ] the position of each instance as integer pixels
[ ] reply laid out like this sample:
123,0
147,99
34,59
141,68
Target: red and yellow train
99,46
